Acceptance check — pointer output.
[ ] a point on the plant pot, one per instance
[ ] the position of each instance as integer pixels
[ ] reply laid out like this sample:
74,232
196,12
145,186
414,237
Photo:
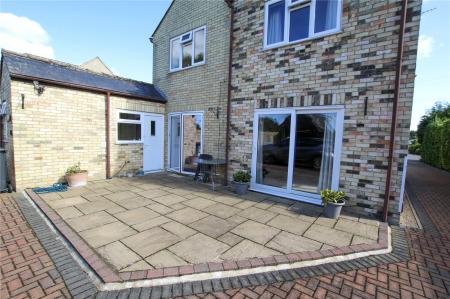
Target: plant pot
77,179
333,210
240,188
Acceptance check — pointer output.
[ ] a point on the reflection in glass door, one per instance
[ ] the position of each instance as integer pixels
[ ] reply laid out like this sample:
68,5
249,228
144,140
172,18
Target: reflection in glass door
314,152
174,142
273,149
296,152
192,140
185,141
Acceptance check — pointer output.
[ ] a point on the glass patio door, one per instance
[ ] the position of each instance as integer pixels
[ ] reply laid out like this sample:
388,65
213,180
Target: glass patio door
296,152
185,141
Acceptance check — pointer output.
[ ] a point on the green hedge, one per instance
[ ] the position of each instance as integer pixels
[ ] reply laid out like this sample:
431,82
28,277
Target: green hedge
435,148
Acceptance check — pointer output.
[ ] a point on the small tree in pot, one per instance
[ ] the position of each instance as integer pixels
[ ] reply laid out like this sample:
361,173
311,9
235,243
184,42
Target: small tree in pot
75,176
241,179
333,202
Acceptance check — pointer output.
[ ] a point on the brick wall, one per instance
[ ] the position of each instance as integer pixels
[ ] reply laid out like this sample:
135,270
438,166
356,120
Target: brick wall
65,126
340,69
201,88
7,139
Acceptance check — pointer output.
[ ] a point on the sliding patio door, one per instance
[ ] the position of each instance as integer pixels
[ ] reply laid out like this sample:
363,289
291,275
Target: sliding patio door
185,141
296,152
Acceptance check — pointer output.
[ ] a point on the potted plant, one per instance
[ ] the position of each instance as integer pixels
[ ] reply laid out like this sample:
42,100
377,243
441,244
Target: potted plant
241,179
75,176
333,202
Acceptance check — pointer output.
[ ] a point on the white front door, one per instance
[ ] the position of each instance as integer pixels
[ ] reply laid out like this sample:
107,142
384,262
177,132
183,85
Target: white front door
153,137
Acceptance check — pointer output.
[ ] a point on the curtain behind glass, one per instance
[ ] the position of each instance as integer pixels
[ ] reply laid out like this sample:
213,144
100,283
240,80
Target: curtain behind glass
275,27
326,168
326,15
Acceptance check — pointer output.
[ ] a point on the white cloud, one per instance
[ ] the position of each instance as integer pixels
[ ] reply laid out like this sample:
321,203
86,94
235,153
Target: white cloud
23,35
426,44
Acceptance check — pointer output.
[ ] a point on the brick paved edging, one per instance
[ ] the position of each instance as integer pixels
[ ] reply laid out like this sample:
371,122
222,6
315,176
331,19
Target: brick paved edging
109,275
80,285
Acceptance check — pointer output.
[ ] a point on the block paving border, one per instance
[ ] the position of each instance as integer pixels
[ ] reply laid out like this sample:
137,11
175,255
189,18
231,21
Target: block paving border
108,274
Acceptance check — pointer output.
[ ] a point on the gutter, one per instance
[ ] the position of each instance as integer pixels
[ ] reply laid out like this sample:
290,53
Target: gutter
85,88
395,109
230,56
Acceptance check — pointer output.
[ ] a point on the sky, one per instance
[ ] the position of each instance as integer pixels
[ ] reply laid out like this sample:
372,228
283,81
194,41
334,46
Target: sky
118,32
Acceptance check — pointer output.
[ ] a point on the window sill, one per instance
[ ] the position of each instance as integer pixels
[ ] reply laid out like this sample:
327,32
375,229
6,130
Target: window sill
282,44
187,68
128,142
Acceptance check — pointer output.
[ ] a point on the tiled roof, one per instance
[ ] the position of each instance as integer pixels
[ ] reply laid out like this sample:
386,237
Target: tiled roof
33,67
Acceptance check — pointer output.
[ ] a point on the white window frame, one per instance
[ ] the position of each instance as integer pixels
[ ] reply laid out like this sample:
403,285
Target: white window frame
182,114
129,121
289,5
289,192
191,40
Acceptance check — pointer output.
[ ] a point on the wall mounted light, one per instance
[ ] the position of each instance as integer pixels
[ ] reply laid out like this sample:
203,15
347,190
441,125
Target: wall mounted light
38,88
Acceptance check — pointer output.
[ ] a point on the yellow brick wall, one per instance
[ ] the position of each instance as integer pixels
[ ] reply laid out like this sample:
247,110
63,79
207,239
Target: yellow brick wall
63,127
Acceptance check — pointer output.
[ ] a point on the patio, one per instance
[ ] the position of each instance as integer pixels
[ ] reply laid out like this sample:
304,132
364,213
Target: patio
166,220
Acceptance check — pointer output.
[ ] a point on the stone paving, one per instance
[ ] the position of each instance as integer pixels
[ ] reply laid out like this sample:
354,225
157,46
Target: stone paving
425,273
165,220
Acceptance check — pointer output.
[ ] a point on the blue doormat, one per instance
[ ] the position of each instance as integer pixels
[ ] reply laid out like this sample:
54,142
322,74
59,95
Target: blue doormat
54,188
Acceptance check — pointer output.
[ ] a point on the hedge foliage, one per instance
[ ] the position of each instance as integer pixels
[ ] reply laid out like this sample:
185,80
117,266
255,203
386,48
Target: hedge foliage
435,146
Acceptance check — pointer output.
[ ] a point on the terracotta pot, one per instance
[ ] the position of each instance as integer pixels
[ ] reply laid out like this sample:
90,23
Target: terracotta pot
77,179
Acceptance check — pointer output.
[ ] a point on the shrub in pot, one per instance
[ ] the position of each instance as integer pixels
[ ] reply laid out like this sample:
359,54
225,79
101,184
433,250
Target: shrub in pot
241,179
75,176
333,202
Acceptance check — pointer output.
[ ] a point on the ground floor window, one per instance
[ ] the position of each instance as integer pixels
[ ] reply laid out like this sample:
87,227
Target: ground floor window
129,127
185,140
297,151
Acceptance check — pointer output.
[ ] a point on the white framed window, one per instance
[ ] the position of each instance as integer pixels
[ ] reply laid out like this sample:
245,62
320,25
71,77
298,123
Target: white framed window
188,49
289,21
129,127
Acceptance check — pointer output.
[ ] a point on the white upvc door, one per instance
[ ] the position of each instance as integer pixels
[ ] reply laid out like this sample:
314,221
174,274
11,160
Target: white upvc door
276,168
153,142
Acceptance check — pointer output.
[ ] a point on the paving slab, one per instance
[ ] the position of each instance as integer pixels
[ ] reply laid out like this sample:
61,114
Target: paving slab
165,258
199,248
361,240
136,216
328,235
230,239
248,249
221,210
153,193
133,203
199,203
257,214
358,228
255,231
159,208
120,195
179,229
212,226
290,224
187,215
66,202
90,221
228,200
289,243
118,255
95,206
150,241
151,223
69,212
107,233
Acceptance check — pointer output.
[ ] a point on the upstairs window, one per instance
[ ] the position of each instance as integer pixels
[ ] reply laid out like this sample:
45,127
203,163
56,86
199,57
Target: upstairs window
188,49
288,21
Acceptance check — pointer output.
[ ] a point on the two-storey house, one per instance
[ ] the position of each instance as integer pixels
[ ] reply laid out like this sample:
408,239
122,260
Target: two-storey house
320,93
